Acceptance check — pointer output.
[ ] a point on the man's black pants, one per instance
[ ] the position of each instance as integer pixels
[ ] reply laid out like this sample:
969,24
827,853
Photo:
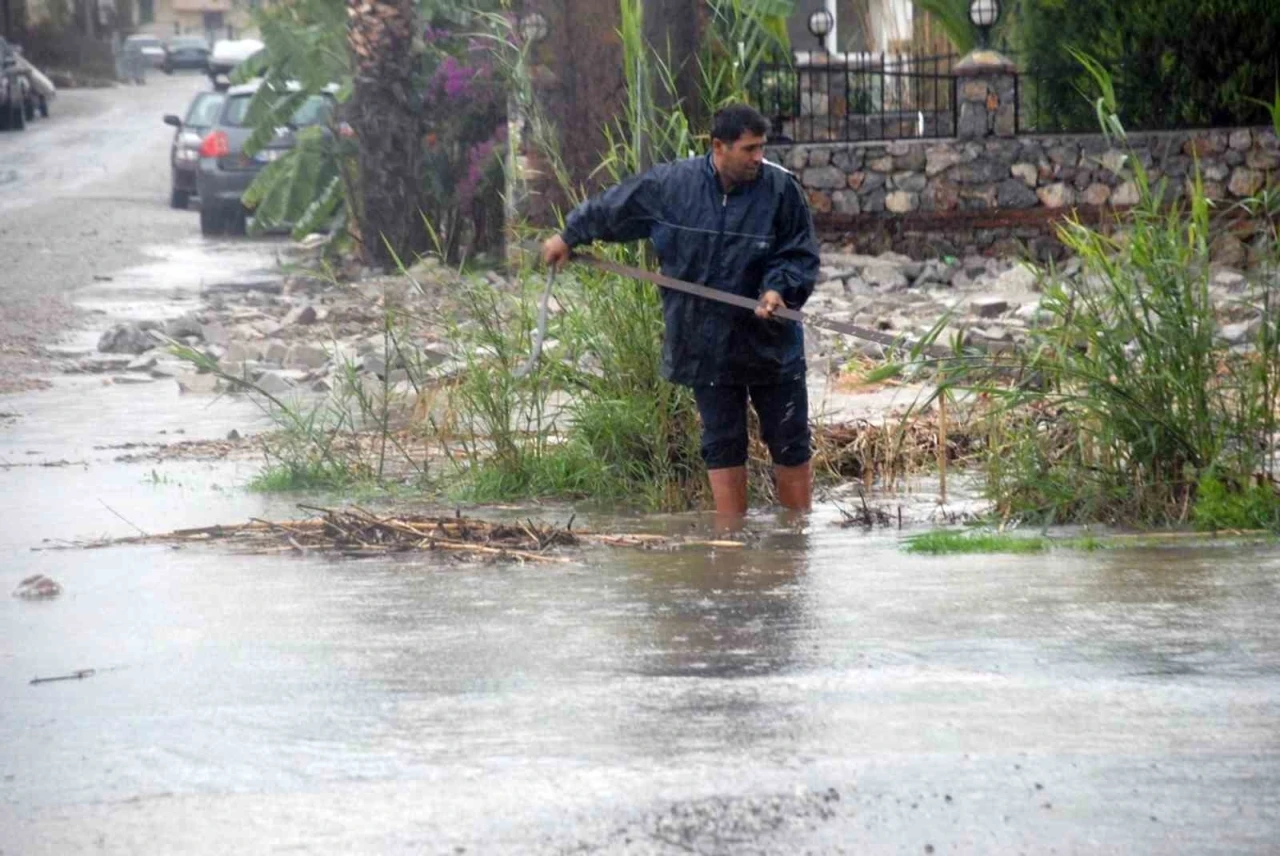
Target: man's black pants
783,409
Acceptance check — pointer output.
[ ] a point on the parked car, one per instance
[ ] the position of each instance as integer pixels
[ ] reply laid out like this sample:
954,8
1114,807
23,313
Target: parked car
15,89
184,152
185,52
151,48
225,171
227,54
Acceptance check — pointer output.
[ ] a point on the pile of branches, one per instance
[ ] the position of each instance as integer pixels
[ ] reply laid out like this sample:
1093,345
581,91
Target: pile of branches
355,532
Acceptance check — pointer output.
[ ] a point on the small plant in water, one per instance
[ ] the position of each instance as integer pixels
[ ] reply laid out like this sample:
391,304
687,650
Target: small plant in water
946,542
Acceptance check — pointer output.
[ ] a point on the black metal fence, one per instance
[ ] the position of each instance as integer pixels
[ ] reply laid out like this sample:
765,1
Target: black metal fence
854,97
821,98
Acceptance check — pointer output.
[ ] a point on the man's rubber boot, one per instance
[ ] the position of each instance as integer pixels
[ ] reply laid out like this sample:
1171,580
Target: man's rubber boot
794,486
729,489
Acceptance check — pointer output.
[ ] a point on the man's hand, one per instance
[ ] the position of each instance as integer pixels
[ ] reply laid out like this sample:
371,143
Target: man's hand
770,302
555,252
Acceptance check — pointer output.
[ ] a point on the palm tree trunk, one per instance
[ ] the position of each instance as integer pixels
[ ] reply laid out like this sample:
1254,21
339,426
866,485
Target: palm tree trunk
385,113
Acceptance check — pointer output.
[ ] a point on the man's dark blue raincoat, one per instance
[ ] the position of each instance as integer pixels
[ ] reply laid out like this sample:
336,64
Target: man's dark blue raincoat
755,238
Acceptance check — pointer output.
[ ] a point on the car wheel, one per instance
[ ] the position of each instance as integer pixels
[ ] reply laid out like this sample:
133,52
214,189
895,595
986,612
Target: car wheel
28,110
4,119
17,118
179,199
211,220
44,107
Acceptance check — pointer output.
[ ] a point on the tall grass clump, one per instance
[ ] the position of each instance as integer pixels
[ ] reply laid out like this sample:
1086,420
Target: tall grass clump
1130,406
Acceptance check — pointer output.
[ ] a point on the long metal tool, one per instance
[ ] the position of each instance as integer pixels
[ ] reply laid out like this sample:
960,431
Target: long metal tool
796,315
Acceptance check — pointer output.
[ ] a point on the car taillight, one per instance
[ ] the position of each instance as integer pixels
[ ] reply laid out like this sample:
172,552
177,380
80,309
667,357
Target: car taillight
215,145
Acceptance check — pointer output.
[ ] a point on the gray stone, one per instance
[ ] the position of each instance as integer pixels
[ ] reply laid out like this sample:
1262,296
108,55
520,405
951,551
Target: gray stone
1263,160
979,172
1065,155
1113,161
187,325
126,339
143,363
1233,158
973,121
912,182
1033,314
1245,182
939,159
880,164
1013,193
1229,251
1018,279
268,326
1216,172
845,202
373,364
1125,194
300,315
1240,139
305,357
873,203
1096,194
988,306
275,353
273,383
239,352
1056,196
825,178
196,383
215,333
867,182
901,202
1230,281
1242,332
993,333
885,276
1025,171
847,159
797,159
913,160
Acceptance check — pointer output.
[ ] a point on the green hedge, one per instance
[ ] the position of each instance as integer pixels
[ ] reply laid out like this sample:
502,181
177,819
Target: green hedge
1176,63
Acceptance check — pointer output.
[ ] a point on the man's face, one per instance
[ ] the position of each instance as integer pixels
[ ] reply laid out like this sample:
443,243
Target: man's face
740,161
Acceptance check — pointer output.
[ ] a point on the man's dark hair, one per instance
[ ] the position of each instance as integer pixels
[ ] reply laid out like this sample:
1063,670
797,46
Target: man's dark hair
733,121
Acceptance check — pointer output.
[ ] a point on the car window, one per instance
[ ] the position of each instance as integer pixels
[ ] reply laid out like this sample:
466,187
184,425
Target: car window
204,110
143,42
187,43
314,111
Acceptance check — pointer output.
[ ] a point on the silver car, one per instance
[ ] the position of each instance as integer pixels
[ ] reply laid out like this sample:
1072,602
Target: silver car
225,171
184,152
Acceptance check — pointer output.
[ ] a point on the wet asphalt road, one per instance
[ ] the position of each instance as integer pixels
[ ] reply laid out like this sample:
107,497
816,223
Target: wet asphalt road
820,692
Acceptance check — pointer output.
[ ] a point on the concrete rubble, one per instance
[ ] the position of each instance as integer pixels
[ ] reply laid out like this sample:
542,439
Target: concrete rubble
315,335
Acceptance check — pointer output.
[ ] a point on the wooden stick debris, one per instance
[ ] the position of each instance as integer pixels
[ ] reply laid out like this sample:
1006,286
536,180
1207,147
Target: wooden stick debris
360,533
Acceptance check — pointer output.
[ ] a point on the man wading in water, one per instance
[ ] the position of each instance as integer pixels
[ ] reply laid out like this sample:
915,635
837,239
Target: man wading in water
732,221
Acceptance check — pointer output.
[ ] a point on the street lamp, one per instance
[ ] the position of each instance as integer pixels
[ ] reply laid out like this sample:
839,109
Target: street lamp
984,14
533,27
821,23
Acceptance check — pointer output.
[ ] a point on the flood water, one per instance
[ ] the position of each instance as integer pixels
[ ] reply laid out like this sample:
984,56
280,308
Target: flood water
818,692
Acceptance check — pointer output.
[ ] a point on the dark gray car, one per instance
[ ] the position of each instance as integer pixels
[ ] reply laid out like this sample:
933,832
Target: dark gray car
184,152
185,52
225,171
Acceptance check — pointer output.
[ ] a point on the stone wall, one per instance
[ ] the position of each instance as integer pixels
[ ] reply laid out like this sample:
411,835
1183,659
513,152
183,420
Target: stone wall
991,195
